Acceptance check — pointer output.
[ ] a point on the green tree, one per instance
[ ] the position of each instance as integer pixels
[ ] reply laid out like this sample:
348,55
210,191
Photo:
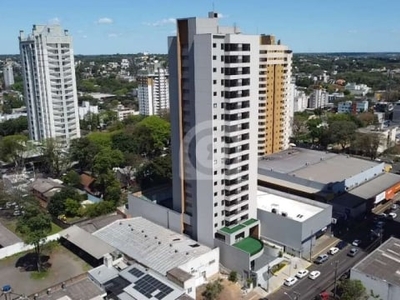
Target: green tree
107,159
366,144
13,149
83,151
56,206
342,132
72,207
100,139
124,141
233,276
353,290
14,126
152,136
56,160
155,172
72,179
213,289
109,186
99,209
315,129
35,225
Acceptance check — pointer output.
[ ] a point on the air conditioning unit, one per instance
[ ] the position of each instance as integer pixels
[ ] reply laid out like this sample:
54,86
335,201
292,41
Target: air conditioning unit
284,214
274,211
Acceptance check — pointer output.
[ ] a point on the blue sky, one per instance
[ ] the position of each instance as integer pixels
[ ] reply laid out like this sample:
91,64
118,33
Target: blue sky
129,26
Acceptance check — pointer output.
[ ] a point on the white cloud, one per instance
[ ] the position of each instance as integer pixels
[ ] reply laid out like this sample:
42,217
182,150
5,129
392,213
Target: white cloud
222,16
162,22
54,21
105,21
114,35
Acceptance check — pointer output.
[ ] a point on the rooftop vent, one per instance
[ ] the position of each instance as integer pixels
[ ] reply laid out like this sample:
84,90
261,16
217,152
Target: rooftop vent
159,242
187,253
284,214
176,251
120,223
145,235
194,245
142,231
170,245
131,229
274,211
175,240
155,237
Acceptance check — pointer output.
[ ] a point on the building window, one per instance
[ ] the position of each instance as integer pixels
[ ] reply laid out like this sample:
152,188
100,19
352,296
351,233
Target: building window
215,105
215,117
215,225
215,182
215,173
214,45
215,129
216,215
214,81
215,150
215,139
214,57
216,203
214,70
215,93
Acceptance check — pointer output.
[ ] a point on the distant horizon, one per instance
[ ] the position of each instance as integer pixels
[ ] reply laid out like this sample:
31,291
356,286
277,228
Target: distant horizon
295,53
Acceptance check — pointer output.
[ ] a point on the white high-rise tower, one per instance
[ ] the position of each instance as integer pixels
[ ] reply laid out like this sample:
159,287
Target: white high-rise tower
214,81
8,75
49,83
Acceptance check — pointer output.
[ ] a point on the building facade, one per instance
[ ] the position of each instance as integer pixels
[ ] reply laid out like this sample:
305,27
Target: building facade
214,84
275,101
8,74
153,91
48,71
350,107
318,98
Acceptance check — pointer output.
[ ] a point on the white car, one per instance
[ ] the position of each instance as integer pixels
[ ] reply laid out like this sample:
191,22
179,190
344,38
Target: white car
356,243
290,281
314,274
392,215
333,250
302,273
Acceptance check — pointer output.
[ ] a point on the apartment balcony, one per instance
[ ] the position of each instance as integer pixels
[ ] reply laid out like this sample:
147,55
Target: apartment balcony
236,214
236,173
233,152
233,195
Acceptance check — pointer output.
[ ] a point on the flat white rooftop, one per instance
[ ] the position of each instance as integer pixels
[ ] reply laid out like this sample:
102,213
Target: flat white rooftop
294,209
154,246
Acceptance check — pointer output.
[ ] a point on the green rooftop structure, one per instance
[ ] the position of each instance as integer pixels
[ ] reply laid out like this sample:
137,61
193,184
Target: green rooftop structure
230,230
250,245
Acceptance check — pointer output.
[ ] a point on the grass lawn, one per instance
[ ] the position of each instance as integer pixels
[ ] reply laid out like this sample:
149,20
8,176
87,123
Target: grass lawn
11,224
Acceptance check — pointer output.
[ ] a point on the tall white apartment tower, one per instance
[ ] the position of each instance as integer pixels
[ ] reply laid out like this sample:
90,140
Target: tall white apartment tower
214,77
8,75
153,90
49,83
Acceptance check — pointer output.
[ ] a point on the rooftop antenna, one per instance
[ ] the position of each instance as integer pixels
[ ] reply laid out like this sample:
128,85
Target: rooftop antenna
213,7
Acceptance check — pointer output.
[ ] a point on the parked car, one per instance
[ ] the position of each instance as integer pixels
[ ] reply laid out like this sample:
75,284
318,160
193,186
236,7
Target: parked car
290,281
353,252
393,207
321,258
392,215
356,243
341,245
333,251
314,274
302,273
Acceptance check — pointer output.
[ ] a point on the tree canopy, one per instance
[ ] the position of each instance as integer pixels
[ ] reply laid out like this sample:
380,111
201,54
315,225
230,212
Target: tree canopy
353,290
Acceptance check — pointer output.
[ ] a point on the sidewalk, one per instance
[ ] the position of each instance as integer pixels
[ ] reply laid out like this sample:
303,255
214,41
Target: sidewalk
324,243
294,265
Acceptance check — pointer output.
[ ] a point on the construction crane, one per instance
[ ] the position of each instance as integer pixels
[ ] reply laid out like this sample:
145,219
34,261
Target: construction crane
7,293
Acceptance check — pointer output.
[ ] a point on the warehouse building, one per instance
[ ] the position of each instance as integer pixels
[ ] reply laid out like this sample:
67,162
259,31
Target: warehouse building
380,271
352,186
292,222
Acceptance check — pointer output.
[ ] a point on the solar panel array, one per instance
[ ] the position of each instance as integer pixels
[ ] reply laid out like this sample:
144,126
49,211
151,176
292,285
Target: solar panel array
147,285
136,272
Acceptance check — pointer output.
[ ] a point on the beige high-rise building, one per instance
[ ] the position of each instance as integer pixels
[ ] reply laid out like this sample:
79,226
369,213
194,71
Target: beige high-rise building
275,101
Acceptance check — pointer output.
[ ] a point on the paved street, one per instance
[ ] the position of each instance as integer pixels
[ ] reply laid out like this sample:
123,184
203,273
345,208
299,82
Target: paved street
307,289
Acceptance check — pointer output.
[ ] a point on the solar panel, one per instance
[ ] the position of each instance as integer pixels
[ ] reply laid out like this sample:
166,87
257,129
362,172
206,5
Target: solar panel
136,272
147,285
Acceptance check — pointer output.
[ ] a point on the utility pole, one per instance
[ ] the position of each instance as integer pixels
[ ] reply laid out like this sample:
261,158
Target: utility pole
335,284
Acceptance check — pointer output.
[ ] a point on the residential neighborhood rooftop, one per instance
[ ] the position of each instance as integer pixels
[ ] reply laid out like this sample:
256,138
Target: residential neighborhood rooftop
383,263
152,245
294,209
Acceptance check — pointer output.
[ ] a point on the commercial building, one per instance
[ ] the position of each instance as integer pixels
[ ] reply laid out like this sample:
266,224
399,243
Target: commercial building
292,222
386,135
161,250
350,107
130,282
275,96
153,90
8,75
352,186
48,70
318,98
379,271
300,101
214,97
124,112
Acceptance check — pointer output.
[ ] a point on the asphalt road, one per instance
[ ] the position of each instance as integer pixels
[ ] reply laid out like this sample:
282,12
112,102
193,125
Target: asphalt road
307,289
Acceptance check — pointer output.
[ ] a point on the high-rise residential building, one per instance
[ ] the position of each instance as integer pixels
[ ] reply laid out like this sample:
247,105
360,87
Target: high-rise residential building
318,98
275,98
8,75
214,87
48,71
153,90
